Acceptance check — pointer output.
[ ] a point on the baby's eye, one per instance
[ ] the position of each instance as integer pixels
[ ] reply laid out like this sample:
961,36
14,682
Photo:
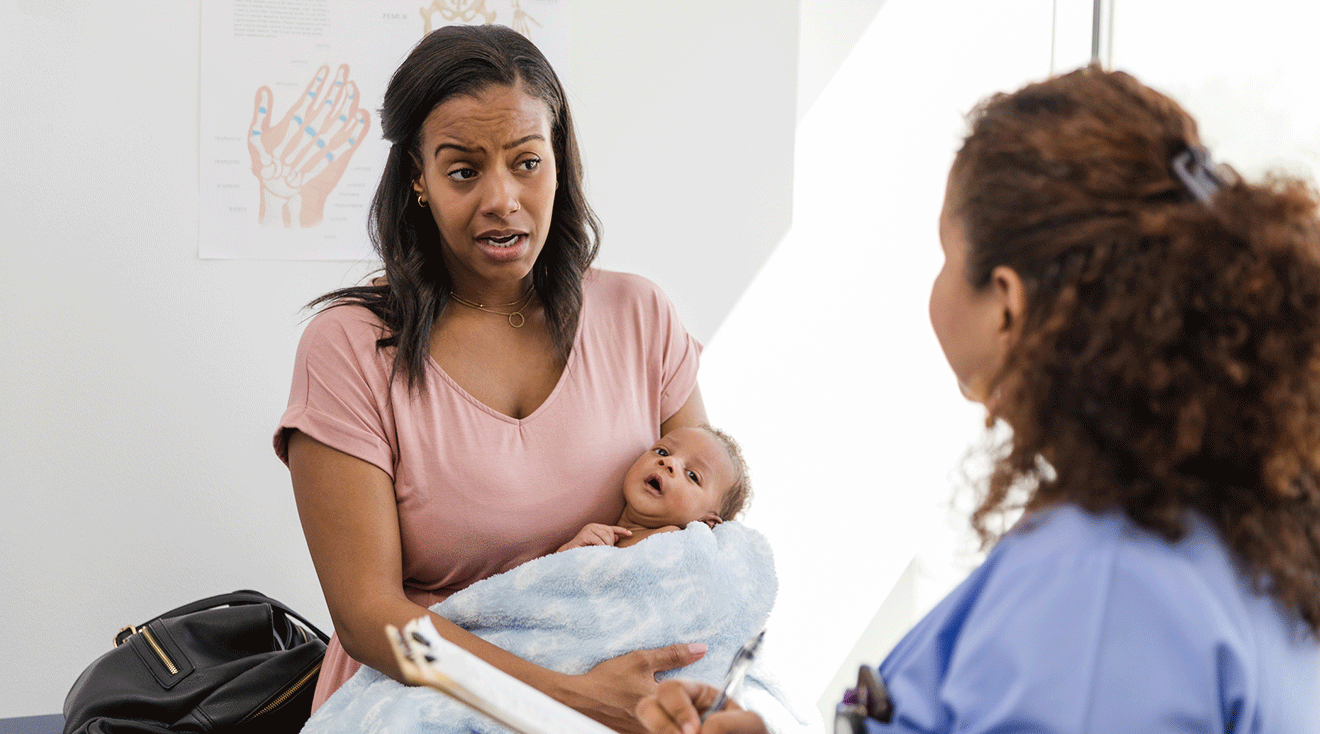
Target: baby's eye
461,174
693,476
662,450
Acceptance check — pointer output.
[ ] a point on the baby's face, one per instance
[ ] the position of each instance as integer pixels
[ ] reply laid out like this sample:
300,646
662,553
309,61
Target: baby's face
684,477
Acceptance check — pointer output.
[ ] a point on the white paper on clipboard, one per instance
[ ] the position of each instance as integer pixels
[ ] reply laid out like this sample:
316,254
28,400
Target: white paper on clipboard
427,659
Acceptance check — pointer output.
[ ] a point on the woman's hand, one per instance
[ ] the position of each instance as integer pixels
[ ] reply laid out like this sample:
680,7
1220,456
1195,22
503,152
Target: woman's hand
610,692
596,534
676,705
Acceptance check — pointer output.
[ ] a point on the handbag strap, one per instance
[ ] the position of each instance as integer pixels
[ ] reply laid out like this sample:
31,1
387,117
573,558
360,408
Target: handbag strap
237,598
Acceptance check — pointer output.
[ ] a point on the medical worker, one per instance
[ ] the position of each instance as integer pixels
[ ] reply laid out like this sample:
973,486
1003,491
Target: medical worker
1148,325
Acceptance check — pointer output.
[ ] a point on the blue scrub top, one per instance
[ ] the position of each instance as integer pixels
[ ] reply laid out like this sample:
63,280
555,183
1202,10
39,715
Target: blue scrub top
1086,623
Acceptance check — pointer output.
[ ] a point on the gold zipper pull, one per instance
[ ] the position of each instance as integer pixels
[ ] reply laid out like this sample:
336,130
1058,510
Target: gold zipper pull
160,651
288,692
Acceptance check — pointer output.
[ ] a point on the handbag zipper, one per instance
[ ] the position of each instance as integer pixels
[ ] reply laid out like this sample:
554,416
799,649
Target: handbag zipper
160,652
288,692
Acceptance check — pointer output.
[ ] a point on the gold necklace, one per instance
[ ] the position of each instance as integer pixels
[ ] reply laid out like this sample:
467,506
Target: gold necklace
520,303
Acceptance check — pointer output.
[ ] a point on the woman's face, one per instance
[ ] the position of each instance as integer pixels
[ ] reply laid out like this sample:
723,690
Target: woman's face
488,175
969,324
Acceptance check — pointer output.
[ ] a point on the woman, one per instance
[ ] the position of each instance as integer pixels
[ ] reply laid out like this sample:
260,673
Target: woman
479,404
1149,327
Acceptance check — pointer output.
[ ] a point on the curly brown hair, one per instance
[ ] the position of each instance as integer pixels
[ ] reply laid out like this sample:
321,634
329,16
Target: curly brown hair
739,493
1169,354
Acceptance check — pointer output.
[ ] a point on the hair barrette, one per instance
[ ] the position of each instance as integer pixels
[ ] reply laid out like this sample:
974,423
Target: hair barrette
1198,174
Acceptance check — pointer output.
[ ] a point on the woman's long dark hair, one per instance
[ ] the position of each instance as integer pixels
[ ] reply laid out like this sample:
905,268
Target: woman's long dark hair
453,61
1169,358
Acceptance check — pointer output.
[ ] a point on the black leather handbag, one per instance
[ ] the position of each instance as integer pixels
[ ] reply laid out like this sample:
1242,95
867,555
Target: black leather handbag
229,663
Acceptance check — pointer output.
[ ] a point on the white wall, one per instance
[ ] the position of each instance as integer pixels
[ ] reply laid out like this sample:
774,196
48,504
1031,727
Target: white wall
141,384
1246,72
827,369
685,110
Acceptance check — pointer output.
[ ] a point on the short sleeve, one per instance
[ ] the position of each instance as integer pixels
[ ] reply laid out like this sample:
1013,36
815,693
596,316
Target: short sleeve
340,391
680,354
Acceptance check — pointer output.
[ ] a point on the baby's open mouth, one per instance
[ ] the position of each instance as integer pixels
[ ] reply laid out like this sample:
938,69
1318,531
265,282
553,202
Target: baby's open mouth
654,483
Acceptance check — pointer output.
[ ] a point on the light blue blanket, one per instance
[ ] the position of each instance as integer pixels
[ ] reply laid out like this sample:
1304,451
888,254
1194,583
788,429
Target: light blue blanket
569,611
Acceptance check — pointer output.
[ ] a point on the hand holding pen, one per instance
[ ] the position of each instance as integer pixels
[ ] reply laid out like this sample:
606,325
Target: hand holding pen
737,671
674,707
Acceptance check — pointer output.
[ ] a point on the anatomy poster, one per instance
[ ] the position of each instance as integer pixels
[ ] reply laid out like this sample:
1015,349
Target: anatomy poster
290,93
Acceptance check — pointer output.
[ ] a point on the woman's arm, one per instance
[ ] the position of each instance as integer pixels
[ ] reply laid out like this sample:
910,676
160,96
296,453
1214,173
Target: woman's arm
691,415
349,516
351,523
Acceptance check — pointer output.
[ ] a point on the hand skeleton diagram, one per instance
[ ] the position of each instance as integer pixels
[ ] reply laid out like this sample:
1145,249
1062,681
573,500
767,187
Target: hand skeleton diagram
299,160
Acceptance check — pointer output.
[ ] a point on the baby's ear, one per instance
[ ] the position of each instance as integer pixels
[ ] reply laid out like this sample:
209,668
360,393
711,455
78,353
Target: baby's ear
712,520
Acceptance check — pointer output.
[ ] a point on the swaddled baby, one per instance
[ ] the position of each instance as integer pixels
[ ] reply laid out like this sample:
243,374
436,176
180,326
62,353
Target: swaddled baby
713,583
689,475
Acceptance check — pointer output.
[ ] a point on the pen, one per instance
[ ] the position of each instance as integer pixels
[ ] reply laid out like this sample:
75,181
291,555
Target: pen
734,678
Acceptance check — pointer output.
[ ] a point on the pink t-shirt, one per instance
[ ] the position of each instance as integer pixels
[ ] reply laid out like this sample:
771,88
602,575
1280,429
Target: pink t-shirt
479,492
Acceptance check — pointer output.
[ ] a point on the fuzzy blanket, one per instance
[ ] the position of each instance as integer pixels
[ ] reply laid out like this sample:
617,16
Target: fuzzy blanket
569,611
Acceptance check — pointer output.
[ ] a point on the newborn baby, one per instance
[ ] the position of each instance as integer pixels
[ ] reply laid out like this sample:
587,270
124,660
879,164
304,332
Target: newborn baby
689,475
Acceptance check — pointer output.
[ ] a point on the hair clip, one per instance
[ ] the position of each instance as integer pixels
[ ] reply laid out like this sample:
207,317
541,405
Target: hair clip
1198,173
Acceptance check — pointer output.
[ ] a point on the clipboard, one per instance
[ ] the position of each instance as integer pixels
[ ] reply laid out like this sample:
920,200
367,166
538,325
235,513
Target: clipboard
427,659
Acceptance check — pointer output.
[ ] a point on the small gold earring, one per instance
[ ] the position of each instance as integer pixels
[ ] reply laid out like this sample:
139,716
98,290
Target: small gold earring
421,202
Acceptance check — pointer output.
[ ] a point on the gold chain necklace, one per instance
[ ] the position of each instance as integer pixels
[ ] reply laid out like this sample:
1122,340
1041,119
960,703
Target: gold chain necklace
520,303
